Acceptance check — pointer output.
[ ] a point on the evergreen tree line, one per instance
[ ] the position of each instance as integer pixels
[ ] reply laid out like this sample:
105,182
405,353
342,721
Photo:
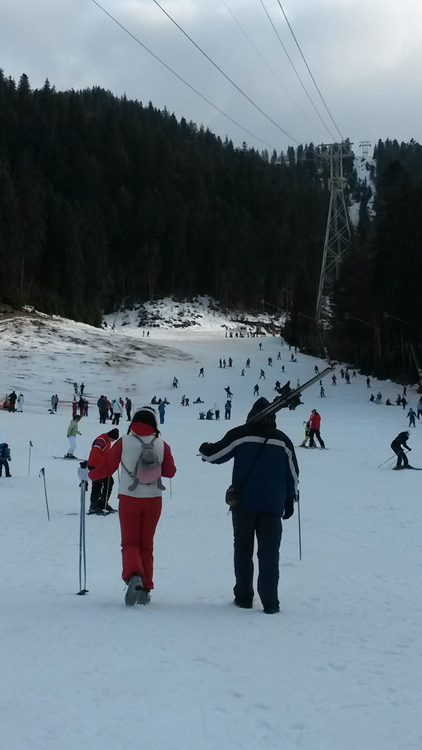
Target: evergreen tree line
102,198
377,312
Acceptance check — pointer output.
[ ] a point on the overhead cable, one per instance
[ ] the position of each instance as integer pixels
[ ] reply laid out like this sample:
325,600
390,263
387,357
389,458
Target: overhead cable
182,79
222,72
297,74
309,70
269,68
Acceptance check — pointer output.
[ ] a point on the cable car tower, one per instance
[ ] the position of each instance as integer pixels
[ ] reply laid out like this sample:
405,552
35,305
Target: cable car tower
337,234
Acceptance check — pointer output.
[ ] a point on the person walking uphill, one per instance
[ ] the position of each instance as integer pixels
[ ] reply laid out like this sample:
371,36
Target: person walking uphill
265,474
140,498
101,489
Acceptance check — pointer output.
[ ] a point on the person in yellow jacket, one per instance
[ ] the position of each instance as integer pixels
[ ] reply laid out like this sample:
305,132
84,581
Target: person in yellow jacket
72,431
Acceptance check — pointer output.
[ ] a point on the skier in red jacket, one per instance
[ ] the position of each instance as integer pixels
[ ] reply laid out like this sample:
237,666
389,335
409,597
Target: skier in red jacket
101,488
314,425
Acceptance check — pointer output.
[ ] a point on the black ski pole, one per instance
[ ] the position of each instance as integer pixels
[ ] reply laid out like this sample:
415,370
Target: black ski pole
42,474
388,459
82,545
29,457
298,522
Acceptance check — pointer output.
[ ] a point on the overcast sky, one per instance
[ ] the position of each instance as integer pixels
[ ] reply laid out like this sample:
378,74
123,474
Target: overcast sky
365,57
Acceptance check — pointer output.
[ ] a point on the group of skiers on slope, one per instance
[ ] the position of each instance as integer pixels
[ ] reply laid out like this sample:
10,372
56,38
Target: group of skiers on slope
12,402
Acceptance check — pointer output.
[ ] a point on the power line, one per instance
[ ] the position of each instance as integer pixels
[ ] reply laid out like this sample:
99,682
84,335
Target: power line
222,72
183,80
267,66
293,66
309,70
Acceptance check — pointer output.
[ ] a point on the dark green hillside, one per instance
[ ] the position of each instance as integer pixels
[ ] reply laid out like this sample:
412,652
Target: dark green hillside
102,197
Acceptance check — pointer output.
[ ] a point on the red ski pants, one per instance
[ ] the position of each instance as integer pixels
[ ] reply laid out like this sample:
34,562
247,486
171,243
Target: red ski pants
138,520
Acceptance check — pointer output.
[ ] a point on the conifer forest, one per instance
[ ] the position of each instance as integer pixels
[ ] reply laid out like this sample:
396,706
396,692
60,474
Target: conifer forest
104,199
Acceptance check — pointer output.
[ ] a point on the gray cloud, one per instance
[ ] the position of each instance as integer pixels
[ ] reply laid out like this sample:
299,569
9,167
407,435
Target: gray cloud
365,55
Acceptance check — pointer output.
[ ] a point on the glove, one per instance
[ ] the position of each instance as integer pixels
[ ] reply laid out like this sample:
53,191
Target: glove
83,474
288,511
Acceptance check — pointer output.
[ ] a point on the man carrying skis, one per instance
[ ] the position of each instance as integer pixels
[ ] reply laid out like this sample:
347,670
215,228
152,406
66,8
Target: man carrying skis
398,445
265,474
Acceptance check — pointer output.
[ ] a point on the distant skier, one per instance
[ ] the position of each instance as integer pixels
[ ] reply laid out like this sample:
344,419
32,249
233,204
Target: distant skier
412,417
201,373
5,457
128,407
161,411
314,429
368,382
398,445
227,409
20,402
262,375
72,432
256,390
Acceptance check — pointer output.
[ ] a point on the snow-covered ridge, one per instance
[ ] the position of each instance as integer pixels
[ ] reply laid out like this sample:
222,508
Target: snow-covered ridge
202,314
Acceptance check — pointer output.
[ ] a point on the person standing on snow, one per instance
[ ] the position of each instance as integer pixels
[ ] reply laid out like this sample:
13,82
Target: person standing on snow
72,431
117,411
5,457
101,488
314,429
139,504
20,402
412,417
265,472
162,411
398,445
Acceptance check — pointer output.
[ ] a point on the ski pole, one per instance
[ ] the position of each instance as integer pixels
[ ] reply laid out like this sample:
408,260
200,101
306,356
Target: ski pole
298,523
29,457
388,459
42,474
82,545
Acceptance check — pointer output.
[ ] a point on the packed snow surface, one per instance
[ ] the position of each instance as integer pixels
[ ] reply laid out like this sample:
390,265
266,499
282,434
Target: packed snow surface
338,669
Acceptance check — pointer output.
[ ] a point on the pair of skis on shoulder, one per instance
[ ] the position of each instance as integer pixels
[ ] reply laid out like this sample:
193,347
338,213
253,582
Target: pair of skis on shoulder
288,398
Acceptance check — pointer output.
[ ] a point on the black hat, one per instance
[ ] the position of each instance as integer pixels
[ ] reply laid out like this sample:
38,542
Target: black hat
259,406
113,434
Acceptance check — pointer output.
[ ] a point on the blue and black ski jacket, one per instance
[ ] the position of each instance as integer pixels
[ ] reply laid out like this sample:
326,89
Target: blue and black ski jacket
268,475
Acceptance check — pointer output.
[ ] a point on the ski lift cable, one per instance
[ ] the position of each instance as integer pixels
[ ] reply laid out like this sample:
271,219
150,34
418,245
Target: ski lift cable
223,73
309,71
268,66
214,106
294,68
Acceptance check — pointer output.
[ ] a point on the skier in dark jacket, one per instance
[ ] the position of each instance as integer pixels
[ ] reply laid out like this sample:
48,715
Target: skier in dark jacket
398,445
265,472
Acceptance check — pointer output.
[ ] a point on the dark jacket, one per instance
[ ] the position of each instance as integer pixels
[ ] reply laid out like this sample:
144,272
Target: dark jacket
400,442
269,480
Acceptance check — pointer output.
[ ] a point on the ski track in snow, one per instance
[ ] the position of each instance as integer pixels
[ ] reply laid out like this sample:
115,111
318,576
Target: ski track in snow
338,669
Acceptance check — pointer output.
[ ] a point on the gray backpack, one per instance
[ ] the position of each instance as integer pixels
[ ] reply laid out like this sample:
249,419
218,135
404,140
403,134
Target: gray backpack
147,468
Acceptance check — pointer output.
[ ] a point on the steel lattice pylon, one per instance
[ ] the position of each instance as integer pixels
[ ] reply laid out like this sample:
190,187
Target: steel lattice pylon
337,235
